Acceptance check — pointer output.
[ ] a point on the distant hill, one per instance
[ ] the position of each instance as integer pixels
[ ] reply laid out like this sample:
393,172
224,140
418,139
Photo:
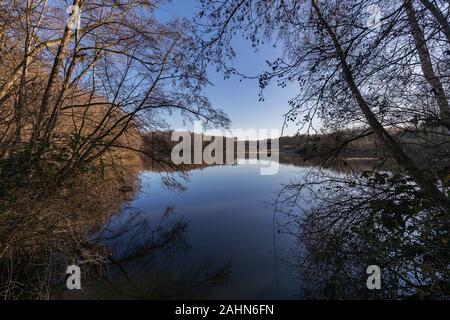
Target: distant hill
351,144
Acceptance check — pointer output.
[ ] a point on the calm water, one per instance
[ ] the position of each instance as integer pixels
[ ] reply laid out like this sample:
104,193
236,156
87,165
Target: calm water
229,224
221,239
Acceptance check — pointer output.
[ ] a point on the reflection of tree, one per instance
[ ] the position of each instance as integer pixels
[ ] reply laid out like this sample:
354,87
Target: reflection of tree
39,238
136,247
360,220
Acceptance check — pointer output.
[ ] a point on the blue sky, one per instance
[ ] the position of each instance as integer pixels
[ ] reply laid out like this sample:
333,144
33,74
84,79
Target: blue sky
239,99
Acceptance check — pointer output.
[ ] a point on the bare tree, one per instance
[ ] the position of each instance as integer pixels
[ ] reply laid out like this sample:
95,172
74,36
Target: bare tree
350,74
426,64
99,84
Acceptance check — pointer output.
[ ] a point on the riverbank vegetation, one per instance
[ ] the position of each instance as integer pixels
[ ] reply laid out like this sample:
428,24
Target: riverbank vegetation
79,83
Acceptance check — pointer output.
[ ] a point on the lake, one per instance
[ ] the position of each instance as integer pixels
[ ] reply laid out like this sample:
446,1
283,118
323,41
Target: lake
230,246
217,236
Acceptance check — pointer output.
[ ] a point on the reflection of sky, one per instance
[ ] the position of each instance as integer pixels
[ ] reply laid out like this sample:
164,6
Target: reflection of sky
239,99
229,218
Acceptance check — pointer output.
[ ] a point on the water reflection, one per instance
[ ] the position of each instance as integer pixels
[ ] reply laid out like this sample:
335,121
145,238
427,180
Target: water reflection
139,250
118,249
227,232
230,223
374,218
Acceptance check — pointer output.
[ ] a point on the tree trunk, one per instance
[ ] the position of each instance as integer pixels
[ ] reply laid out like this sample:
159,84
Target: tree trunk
439,16
394,148
52,80
22,99
427,66
15,76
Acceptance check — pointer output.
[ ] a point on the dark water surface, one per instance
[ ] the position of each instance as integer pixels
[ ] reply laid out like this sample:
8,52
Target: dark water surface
229,225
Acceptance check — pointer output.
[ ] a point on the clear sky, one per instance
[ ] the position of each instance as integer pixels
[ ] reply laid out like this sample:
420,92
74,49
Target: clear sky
239,99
